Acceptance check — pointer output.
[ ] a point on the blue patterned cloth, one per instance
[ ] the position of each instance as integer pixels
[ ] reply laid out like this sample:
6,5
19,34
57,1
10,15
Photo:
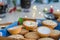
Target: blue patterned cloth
58,27
12,25
4,32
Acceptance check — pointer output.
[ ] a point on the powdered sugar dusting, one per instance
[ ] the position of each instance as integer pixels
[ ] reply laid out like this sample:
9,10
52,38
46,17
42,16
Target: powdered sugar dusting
44,30
30,23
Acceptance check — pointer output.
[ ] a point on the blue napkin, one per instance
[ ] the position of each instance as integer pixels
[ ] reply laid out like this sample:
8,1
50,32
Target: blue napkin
58,27
12,25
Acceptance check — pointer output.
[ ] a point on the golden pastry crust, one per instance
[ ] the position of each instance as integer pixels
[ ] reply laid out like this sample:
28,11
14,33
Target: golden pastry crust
35,30
24,31
29,39
32,35
49,23
43,31
11,39
2,38
57,14
58,19
30,25
15,30
46,39
55,34
16,36
5,38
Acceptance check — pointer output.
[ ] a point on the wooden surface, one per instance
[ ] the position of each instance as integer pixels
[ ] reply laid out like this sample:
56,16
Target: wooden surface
28,19
5,24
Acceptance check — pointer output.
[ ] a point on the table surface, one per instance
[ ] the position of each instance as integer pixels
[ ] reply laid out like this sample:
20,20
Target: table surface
34,14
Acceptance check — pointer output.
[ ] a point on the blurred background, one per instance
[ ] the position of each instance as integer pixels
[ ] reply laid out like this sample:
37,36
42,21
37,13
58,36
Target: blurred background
12,10
36,1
